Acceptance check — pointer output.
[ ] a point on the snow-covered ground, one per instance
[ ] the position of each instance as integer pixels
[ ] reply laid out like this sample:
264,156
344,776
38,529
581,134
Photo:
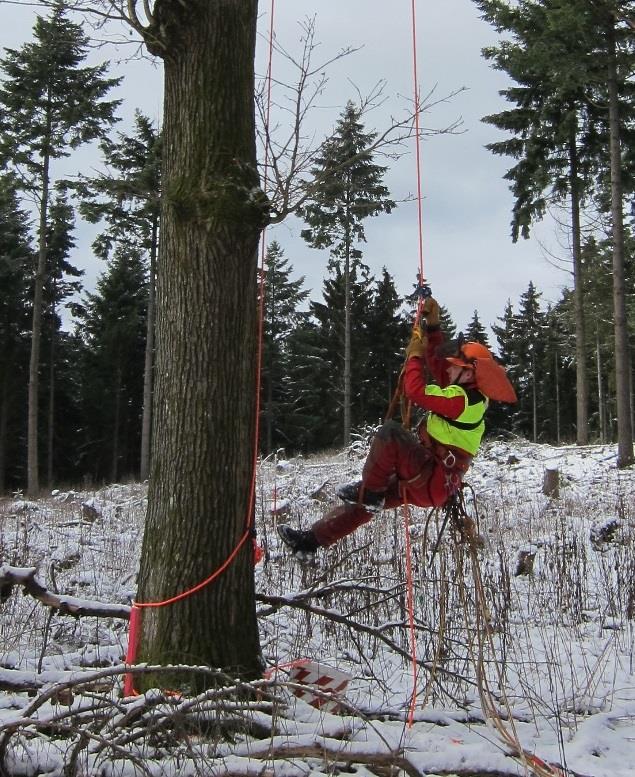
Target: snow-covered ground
530,646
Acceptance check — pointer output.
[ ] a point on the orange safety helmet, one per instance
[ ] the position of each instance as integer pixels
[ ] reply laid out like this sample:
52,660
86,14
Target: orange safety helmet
467,353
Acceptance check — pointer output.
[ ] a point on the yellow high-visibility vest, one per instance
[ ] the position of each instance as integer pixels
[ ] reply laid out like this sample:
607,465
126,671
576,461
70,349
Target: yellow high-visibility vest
464,432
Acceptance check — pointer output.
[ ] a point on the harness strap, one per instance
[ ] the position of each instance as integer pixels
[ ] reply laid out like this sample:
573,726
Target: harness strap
468,427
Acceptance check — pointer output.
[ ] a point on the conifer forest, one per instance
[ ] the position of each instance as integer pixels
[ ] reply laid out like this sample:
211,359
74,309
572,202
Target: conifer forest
201,505
76,363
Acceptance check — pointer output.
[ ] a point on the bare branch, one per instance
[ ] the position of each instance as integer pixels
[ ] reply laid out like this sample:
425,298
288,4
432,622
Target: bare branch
290,156
65,605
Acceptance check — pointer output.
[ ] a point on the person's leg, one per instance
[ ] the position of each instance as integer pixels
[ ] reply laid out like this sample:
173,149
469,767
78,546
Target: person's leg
415,492
395,460
395,456
338,523
301,542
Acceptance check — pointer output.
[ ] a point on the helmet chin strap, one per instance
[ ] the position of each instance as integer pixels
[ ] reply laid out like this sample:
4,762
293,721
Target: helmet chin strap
459,378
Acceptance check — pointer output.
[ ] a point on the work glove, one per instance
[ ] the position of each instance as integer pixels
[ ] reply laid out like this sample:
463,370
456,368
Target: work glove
430,311
418,344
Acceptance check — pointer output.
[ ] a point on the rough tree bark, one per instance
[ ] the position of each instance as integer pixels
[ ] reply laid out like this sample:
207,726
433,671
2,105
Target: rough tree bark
204,404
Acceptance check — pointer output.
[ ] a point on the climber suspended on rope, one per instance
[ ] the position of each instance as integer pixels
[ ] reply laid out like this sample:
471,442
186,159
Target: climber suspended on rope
426,468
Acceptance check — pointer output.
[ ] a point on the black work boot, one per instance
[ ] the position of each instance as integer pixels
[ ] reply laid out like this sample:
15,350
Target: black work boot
303,544
372,500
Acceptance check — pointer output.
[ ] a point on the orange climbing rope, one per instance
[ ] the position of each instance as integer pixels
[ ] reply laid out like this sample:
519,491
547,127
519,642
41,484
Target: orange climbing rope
405,508
411,608
417,107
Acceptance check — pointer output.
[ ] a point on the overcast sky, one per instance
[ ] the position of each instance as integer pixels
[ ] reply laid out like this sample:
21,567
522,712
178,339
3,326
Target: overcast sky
469,258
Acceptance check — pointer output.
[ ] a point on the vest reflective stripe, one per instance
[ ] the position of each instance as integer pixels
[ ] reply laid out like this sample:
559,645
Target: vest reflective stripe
442,430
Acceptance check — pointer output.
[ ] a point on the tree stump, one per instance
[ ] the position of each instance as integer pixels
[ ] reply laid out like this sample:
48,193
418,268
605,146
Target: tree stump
525,563
551,483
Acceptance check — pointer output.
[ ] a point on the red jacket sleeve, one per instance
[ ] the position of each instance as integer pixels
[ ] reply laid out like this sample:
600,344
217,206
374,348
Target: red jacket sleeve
415,389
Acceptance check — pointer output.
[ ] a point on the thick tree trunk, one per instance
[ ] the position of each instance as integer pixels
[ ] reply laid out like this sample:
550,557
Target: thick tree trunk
622,360
148,367
582,391
200,503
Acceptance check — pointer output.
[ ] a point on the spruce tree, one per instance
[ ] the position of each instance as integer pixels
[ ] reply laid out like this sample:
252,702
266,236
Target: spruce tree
530,344
61,285
558,379
510,353
475,331
554,123
332,316
282,296
16,276
113,331
348,189
308,423
49,105
128,199
447,324
385,331
618,109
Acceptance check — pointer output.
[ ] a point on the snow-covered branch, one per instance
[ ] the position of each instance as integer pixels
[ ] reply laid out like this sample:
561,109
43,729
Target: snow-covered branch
65,605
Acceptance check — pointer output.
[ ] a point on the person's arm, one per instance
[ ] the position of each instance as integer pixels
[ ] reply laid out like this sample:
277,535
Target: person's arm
437,365
444,402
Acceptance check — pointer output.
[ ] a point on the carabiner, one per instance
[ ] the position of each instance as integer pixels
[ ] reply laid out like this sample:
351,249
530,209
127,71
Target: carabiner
449,460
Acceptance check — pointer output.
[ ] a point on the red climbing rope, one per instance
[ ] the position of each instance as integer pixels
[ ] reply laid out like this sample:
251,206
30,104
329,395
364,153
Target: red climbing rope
417,139
406,511
410,606
198,586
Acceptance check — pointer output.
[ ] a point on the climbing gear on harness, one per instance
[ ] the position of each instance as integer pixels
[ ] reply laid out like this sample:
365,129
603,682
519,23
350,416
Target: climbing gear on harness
455,461
460,522
422,290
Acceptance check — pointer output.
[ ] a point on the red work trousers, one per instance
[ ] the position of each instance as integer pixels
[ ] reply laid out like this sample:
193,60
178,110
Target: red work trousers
400,467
